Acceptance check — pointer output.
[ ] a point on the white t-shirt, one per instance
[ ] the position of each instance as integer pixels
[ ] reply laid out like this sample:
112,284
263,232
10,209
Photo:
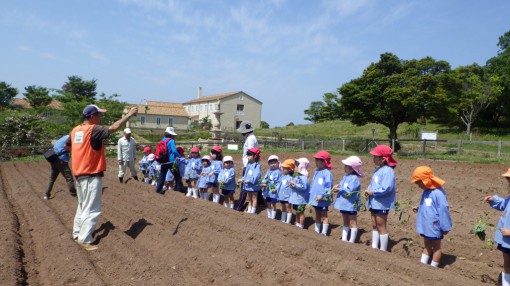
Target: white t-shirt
249,142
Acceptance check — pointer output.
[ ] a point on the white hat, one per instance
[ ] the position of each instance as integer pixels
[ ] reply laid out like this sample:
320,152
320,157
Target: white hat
228,159
170,130
273,157
127,130
207,157
355,163
245,127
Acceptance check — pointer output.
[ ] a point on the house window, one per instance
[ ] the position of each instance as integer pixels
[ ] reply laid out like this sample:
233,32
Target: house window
158,120
240,107
142,120
241,97
170,121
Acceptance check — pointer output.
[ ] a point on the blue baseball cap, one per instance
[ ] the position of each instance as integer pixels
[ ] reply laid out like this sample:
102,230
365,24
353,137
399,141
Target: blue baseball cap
91,110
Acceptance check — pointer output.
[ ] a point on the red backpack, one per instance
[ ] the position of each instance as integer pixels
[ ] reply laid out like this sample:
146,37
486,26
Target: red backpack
162,151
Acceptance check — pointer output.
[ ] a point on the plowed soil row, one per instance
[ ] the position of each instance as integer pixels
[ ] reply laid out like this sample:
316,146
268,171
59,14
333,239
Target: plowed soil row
150,239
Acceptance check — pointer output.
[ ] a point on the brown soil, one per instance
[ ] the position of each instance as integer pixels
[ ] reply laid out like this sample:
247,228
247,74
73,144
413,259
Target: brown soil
148,239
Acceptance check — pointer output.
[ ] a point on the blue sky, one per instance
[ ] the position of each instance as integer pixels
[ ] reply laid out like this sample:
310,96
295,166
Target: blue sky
282,52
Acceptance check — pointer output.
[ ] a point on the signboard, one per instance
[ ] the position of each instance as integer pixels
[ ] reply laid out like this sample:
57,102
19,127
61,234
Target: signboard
232,147
428,135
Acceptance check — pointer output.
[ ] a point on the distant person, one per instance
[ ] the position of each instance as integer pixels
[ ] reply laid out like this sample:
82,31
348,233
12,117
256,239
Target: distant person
348,199
216,167
88,165
144,163
321,191
270,185
251,179
61,166
284,191
227,181
203,181
173,155
381,194
502,232
433,221
250,141
126,155
193,170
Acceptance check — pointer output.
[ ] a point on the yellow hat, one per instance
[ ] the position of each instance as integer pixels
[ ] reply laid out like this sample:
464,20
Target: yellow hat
424,174
289,163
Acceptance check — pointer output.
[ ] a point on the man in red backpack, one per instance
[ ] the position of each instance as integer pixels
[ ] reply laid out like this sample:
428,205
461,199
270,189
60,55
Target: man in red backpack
173,155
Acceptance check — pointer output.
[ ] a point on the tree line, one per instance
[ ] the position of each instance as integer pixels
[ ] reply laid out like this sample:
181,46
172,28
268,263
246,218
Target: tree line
393,91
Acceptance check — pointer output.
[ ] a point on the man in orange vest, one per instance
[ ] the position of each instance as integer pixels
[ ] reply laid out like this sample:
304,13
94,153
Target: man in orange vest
88,163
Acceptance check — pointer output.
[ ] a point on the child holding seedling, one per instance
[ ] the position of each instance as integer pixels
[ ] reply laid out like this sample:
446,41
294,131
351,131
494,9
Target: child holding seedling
288,166
300,191
153,169
203,180
251,178
193,170
502,234
144,163
348,197
381,194
321,191
433,220
216,166
271,184
227,181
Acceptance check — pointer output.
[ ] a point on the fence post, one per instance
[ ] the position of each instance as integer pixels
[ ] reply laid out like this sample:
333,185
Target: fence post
423,146
303,145
499,149
343,144
366,145
393,143
458,146
322,144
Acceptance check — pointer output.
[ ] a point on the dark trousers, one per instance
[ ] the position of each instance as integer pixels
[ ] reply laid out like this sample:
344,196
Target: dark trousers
239,204
58,167
178,181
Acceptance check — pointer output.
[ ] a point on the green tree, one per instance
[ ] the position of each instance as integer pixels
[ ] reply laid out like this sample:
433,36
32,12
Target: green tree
37,96
19,128
393,91
7,93
315,112
77,89
264,125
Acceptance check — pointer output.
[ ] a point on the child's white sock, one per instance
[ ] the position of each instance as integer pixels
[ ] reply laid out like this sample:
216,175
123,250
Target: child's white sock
249,209
188,194
345,232
318,227
232,205
195,192
216,198
434,264
299,225
505,279
375,239
325,228
225,205
384,241
289,218
165,188
269,212
354,234
284,217
254,210
424,258
147,180
273,214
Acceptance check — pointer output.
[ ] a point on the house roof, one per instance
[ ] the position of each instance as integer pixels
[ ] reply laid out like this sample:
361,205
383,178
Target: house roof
162,108
217,97
23,103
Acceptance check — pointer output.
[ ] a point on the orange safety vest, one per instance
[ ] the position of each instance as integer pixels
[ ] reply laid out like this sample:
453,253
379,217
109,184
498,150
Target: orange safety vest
85,160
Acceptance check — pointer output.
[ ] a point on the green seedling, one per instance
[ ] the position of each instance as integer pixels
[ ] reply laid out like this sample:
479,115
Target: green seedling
479,229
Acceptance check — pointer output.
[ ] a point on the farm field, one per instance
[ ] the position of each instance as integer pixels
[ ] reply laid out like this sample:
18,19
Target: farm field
148,239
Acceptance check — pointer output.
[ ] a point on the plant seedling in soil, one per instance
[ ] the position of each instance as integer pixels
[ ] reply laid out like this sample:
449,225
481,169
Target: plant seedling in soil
479,229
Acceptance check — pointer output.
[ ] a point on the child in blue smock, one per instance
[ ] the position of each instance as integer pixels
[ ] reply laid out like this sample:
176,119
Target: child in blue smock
270,185
144,163
194,168
300,191
348,197
203,181
502,233
433,220
216,166
321,191
251,178
227,181
381,194
284,191
153,169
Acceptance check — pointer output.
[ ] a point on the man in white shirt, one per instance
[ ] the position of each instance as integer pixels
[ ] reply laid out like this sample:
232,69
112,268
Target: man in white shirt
250,141
126,154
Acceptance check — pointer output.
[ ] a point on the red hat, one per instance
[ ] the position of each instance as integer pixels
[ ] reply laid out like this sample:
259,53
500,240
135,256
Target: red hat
147,149
324,155
217,149
180,150
254,151
194,150
385,152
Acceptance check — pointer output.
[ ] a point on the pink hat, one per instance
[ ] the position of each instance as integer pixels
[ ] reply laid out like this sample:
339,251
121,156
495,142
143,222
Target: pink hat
355,163
217,149
151,157
303,166
324,155
207,157
228,159
273,157
385,152
194,150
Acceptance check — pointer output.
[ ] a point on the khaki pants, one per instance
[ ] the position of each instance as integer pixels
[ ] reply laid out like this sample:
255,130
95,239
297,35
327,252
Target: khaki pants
122,168
90,198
